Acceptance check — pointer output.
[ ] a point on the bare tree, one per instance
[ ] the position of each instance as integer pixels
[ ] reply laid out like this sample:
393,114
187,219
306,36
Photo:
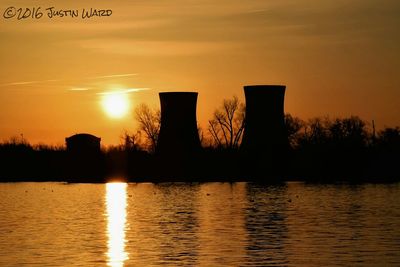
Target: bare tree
315,131
131,141
227,125
338,132
350,131
293,126
149,122
203,140
17,140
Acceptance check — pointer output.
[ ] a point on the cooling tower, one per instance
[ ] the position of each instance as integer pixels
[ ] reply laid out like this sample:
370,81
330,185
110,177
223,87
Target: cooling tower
178,133
265,126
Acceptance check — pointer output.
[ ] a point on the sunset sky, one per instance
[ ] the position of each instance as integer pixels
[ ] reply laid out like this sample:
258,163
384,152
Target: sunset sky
336,57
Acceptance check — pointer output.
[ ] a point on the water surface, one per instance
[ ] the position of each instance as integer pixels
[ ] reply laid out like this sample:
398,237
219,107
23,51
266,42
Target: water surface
211,224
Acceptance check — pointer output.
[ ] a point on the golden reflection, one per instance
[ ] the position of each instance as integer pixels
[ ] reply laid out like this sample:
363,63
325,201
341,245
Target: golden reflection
222,233
116,217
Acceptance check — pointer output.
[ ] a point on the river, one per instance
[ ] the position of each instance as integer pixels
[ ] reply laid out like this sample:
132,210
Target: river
199,224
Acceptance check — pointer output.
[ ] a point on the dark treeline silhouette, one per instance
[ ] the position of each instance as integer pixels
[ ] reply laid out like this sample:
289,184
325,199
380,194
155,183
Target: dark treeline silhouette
321,149
342,148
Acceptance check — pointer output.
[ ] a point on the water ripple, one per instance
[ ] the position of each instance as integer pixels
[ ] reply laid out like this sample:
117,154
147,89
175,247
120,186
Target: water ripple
211,224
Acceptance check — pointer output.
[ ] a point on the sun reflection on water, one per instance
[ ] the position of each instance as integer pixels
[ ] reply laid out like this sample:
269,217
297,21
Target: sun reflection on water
116,217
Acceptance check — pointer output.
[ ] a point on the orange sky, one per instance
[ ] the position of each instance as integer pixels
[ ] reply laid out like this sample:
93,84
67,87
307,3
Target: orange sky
336,57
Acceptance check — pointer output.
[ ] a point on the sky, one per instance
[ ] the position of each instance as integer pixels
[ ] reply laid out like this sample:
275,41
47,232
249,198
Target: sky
336,58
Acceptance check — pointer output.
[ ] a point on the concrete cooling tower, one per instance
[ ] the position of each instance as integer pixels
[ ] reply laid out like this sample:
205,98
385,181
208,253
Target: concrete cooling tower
264,126
178,133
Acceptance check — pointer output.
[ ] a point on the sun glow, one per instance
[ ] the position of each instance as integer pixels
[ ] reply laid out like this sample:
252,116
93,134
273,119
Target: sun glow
115,105
116,217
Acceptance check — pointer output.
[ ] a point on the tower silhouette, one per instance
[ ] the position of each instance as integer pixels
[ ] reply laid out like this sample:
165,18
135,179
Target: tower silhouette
178,133
178,143
265,124
265,140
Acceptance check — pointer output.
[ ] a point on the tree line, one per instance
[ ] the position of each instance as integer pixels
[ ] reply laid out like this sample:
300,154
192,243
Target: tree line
321,148
225,130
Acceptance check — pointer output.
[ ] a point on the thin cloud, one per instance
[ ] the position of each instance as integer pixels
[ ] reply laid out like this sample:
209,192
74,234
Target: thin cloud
114,76
126,91
18,83
26,83
80,89
156,48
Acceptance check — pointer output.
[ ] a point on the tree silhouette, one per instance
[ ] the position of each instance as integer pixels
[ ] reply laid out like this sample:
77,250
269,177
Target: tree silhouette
149,122
293,127
389,138
131,141
227,125
315,132
348,132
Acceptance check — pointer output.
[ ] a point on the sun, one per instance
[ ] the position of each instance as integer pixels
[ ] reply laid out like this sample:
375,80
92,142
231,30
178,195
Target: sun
115,105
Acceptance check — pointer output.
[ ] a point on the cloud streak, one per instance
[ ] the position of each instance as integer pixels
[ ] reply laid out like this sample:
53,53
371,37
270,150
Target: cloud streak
111,76
114,76
80,89
125,91
156,48
26,83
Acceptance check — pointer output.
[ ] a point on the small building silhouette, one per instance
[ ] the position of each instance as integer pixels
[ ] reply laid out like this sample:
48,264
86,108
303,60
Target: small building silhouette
83,143
84,159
